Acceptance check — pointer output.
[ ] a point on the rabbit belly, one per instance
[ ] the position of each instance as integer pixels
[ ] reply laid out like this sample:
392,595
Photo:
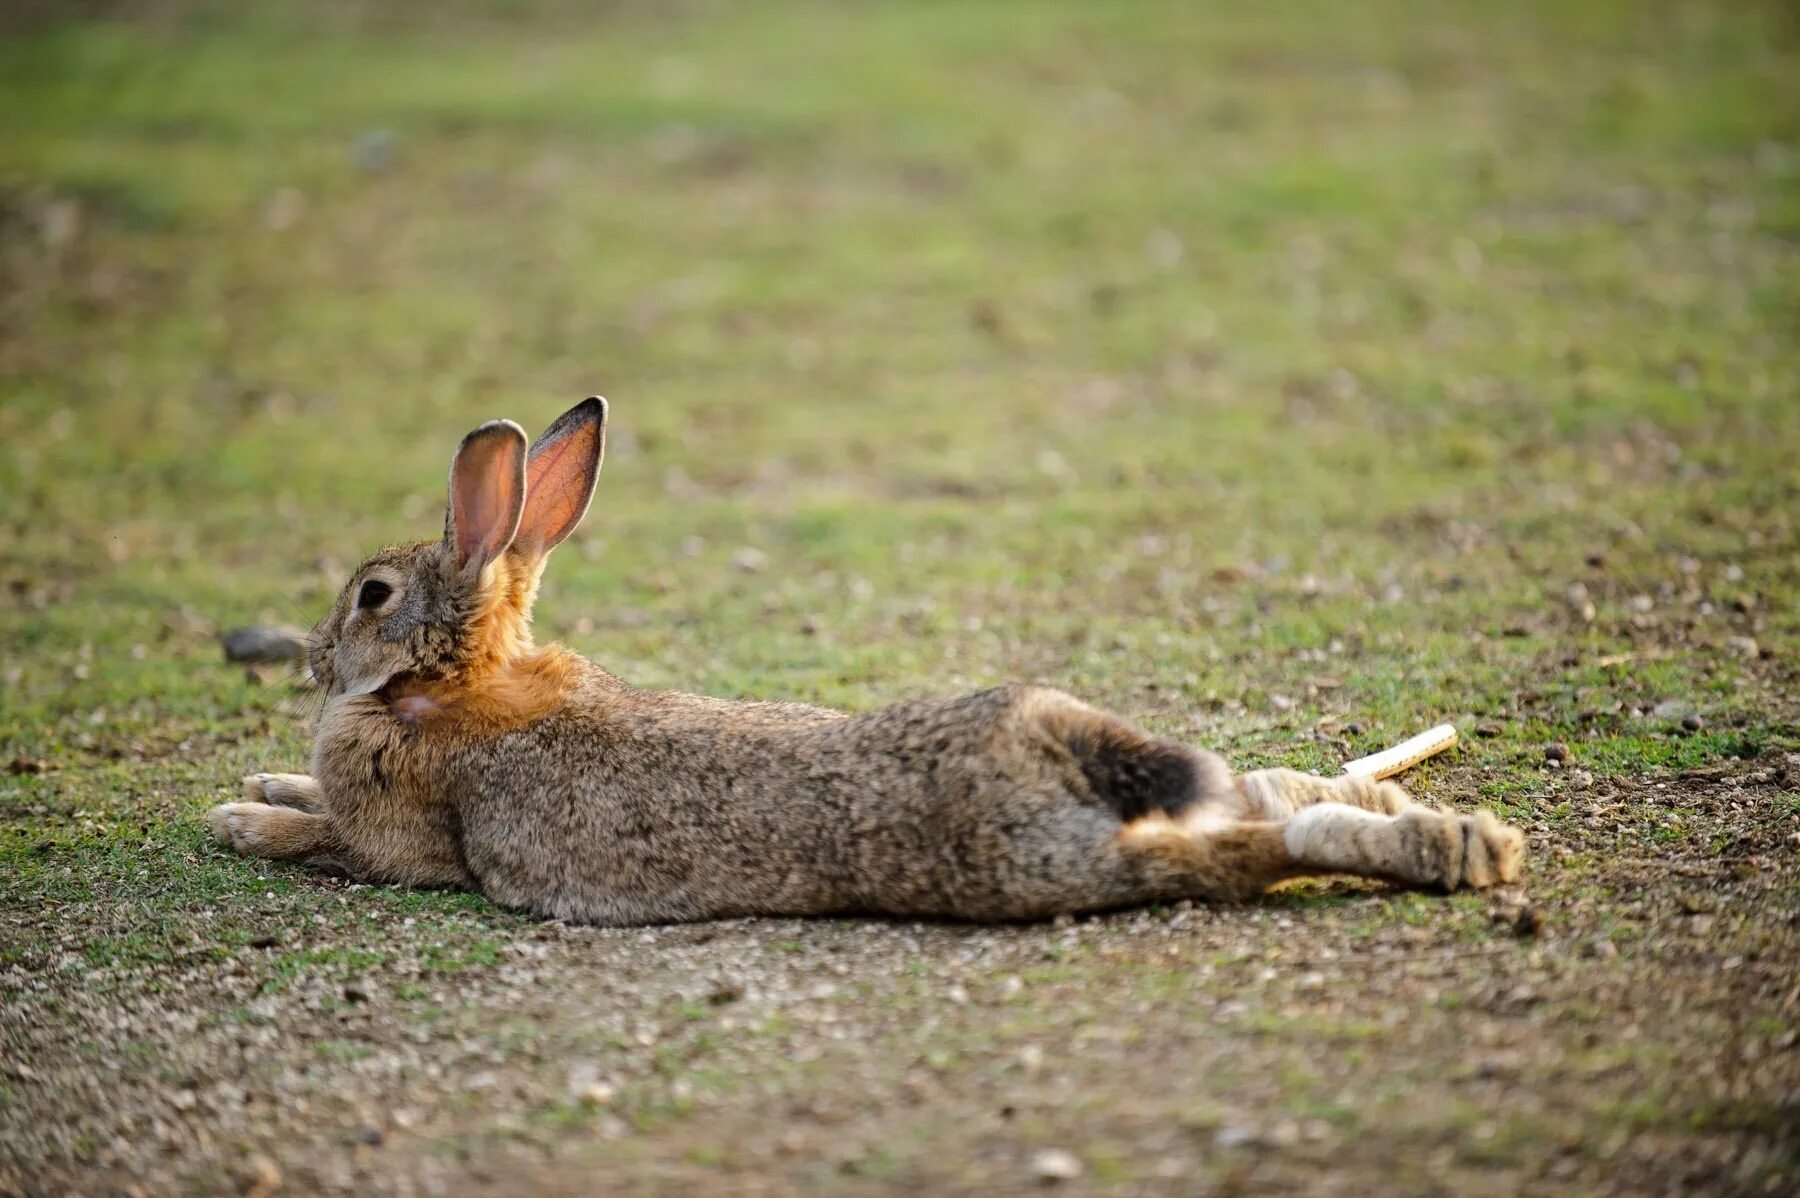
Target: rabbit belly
996,803
643,826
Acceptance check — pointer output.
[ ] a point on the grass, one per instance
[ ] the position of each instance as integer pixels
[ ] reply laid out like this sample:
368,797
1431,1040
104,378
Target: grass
1267,375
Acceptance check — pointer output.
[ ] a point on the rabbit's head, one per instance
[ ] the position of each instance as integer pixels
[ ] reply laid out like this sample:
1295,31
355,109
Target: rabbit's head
446,610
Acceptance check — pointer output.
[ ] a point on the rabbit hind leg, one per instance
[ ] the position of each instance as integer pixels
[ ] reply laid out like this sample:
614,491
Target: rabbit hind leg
1419,846
1121,768
1276,794
1237,860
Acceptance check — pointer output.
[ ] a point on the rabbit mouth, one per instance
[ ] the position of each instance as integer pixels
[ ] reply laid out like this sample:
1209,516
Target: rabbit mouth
368,684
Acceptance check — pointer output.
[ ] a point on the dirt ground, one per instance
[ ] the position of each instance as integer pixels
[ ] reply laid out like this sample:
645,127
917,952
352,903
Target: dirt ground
1625,1023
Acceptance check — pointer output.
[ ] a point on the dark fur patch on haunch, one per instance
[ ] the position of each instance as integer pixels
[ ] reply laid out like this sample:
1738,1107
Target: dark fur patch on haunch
1134,774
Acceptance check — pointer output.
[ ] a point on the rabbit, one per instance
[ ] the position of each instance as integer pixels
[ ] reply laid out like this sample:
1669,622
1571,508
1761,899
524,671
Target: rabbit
453,751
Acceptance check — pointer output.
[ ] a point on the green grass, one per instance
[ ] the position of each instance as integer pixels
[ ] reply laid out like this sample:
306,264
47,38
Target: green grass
1266,374
1123,348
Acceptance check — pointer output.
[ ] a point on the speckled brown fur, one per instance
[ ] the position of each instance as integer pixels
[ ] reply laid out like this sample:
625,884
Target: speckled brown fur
454,752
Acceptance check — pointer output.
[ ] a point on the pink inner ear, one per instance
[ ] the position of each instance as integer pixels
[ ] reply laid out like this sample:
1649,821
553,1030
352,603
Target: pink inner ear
561,482
486,493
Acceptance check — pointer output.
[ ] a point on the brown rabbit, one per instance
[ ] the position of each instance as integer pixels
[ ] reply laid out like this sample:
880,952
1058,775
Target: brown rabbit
454,752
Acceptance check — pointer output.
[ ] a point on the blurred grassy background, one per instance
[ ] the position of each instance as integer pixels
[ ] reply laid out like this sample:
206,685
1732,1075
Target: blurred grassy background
1121,346
1288,377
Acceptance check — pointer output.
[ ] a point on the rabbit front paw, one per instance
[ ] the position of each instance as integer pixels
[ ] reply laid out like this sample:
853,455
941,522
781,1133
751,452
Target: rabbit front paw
260,830
236,824
298,791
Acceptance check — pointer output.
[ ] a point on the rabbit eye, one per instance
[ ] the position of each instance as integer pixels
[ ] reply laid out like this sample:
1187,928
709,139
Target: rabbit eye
374,593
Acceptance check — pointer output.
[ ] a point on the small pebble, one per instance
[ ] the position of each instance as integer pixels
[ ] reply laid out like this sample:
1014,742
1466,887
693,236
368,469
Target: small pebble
1580,602
370,1135
1353,728
1488,731
1692,723
374,150
1602,948
265,1178
1234,1135
268,645
1556,753
1054,1165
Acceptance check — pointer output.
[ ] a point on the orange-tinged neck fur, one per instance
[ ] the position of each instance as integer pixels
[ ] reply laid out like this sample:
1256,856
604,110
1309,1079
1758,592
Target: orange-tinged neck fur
503,681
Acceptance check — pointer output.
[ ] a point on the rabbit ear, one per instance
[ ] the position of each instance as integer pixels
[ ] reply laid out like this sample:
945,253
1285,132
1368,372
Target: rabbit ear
560,476
487,493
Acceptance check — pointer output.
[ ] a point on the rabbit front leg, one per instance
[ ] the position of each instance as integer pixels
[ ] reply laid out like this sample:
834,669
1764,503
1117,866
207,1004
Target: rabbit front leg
278,833
282,819
299,791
